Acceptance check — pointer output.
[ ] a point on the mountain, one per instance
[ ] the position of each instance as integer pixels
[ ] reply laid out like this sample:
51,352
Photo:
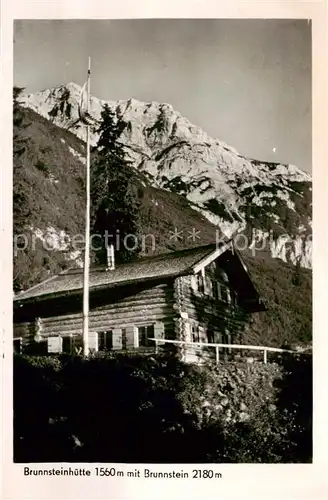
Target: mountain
270,202
186,181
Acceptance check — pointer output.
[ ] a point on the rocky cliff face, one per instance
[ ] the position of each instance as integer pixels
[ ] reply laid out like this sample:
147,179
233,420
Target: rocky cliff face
269,203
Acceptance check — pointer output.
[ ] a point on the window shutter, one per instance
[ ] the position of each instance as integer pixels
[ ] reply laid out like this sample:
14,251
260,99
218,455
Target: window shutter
135,337
129,337
159,331
217,338
210,336
93,341
55,344
117,338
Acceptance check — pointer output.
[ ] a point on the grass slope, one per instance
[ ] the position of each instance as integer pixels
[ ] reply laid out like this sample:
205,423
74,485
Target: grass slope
287,294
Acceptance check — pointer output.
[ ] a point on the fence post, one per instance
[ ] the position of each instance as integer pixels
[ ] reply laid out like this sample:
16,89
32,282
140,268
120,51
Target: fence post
265,352
156,347
217,355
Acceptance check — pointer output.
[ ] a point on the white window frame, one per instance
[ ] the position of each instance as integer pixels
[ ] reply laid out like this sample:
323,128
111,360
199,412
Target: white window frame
200,283
146,325
195,332
223,286
105,333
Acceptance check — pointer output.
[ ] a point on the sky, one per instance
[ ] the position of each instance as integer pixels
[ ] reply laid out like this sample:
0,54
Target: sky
246,82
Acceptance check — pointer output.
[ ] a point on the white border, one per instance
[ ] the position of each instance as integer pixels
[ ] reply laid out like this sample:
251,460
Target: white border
240,481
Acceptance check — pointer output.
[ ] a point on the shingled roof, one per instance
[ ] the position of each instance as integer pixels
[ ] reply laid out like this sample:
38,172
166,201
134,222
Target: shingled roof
149,268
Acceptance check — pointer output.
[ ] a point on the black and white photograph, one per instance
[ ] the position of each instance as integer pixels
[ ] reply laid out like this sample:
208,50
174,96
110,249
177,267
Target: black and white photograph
162,243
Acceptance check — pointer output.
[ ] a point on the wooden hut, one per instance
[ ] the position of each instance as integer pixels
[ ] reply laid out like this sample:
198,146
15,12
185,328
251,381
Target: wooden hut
203,294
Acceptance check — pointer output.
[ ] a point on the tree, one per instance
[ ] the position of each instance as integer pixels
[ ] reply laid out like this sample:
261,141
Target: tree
19,123
21,209
297,276
114,192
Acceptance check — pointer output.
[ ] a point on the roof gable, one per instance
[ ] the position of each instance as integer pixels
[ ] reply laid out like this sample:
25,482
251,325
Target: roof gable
211,257
239,278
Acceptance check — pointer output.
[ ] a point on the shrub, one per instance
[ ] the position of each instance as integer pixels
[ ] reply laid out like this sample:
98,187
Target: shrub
43,167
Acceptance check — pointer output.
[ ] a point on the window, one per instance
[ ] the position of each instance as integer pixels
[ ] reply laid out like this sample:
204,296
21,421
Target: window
105,340
124,338
210,337
208,286
199,283
17,345
68,344
195,333
72,344
224,293
145,333
215,291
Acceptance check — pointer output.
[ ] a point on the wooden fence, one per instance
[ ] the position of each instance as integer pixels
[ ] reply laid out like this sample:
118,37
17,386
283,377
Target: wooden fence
217,347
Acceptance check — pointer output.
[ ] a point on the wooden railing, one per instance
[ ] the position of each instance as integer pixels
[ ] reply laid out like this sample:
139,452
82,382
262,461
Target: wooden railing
225,346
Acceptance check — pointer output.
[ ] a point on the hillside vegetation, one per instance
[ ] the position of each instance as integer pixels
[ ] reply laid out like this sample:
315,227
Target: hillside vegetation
137,409
48,195
287,293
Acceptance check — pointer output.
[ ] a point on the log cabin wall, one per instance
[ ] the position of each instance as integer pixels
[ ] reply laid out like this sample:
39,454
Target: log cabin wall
204,318
208,318
121,312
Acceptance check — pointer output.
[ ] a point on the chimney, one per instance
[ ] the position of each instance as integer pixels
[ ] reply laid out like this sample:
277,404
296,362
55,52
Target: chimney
110,258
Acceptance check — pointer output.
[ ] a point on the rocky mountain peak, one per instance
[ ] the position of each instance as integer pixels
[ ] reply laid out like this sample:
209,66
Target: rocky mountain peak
271,201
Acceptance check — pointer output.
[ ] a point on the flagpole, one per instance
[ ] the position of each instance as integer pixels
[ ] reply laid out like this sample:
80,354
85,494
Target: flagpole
87,235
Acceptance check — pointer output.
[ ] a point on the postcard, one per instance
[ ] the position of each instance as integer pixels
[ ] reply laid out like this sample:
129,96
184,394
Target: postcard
162,289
